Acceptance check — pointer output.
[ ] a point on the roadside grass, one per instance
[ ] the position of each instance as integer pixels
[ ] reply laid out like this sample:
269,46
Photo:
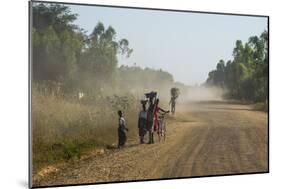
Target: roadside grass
64,128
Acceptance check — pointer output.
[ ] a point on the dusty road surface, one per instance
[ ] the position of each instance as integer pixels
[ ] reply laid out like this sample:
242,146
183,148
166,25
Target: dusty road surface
206,138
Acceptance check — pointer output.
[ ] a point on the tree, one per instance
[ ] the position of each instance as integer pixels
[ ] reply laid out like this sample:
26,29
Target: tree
98,63
64,54
139,80
57,42
246,76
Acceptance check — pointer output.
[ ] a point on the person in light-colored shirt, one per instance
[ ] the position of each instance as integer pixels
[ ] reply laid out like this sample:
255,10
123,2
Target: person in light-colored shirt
122,130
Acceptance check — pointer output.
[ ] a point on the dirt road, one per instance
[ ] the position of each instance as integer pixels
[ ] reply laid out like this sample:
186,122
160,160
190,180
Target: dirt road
203,139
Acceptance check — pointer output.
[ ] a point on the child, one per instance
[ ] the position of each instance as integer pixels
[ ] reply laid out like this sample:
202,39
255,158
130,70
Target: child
142,121
121,130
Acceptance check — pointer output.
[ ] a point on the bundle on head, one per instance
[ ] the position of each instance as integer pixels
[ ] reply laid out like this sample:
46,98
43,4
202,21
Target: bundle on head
175,92
152,94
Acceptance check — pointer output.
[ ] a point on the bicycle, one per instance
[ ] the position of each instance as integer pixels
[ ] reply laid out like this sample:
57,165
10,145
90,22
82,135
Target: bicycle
162,130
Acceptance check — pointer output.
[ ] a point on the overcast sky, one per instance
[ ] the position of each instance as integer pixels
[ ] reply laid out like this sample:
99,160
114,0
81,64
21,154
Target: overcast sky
188,45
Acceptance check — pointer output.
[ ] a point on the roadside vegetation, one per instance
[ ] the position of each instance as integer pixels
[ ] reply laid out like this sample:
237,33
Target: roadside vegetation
245,78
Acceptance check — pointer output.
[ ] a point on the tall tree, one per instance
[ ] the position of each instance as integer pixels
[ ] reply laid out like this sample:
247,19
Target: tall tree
57,42
98,64
246,76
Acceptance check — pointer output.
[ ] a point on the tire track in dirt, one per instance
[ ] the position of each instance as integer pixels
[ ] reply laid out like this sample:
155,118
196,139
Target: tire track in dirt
188,153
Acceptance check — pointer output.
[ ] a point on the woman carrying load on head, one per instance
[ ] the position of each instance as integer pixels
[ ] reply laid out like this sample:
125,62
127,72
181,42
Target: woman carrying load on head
150,115
142,121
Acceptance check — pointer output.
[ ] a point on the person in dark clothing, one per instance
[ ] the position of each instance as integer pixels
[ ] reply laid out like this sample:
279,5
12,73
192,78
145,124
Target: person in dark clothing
150,116
142,121
122,130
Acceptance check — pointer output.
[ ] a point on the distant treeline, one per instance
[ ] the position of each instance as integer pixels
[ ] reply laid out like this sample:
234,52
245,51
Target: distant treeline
246,76
65,55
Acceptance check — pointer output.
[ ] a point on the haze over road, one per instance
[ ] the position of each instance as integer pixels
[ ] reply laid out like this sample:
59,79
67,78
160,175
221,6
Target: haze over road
205,138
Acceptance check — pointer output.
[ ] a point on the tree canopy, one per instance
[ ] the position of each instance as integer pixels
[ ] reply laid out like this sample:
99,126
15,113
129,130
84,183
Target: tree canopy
63,53
246,76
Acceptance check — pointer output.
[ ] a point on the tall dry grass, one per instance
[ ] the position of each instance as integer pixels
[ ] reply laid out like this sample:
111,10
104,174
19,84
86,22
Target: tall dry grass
64,127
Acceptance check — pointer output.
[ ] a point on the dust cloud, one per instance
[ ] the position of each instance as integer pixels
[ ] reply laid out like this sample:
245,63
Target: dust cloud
202,93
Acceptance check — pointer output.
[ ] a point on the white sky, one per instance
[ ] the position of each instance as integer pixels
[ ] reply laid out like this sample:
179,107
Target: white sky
188,45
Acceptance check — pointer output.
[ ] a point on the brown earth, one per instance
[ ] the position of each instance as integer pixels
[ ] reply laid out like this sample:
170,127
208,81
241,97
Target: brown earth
207,138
